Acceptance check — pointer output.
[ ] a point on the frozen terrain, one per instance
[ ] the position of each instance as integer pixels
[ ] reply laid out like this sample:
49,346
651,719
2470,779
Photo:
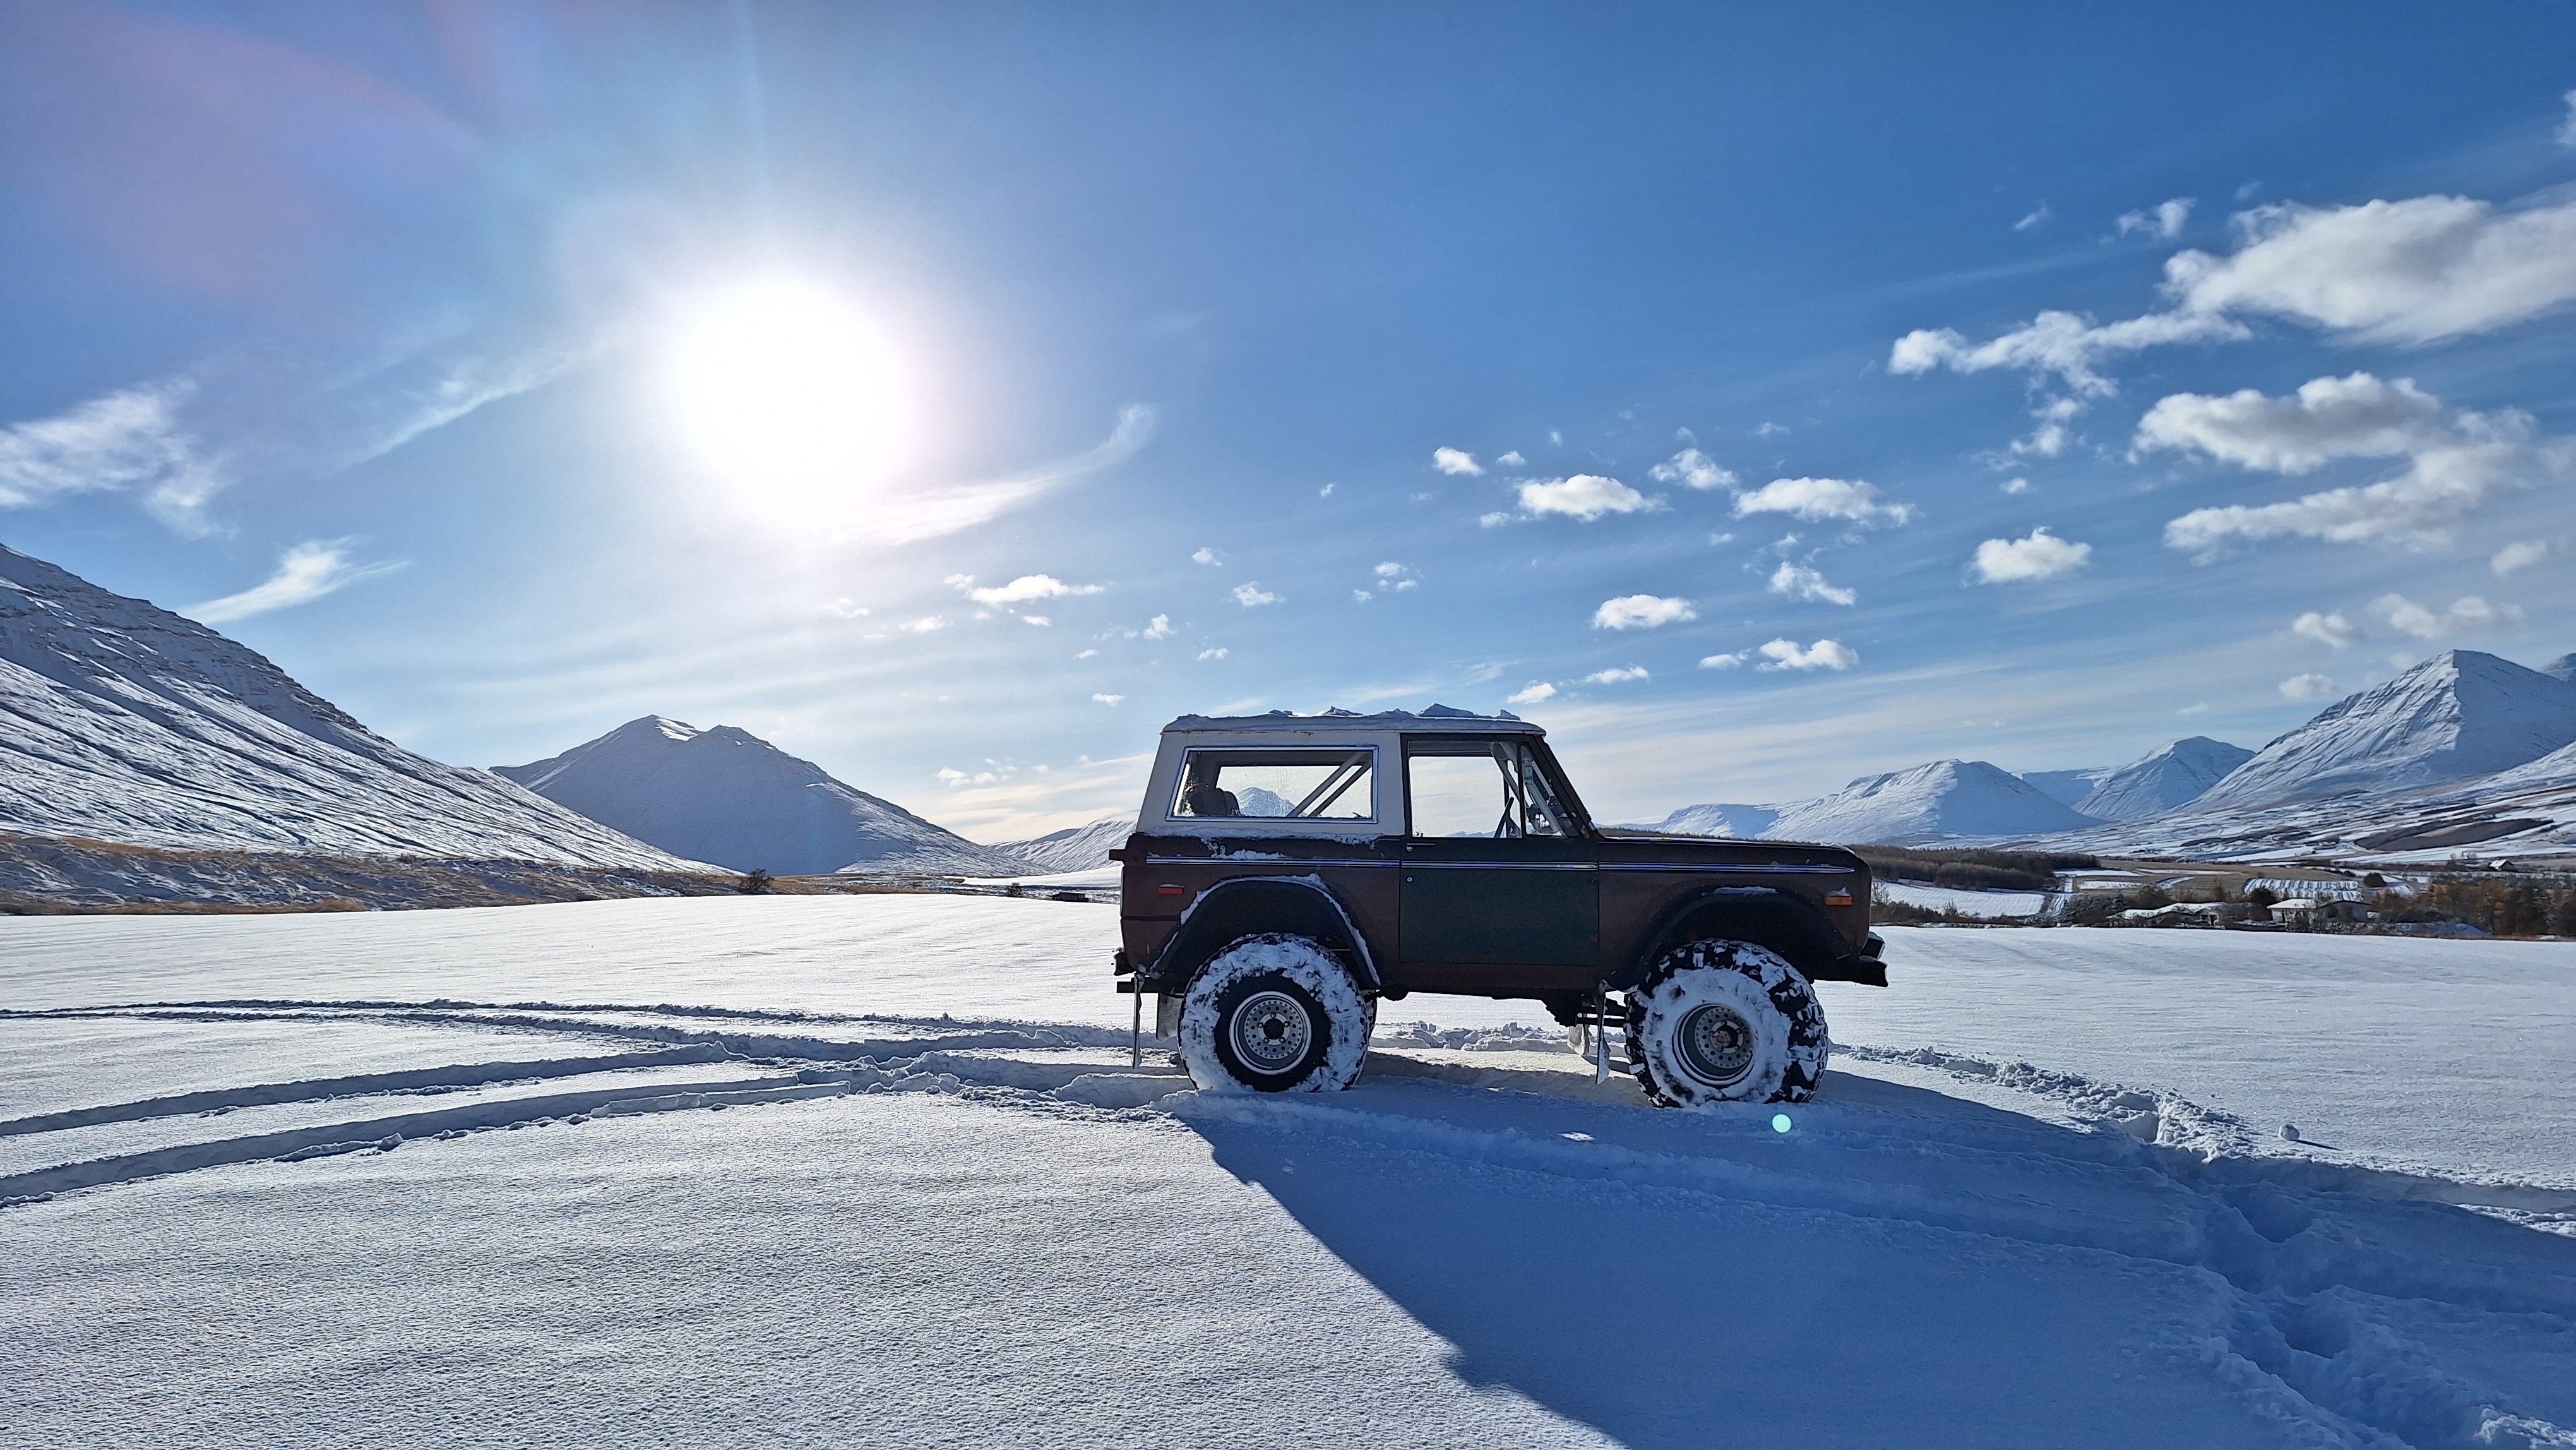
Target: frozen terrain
130,724
2461,713
1075,848
422,1178
2174,776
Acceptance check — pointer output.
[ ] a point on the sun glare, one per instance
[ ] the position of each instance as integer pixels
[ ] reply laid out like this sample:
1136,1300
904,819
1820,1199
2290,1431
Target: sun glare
788,392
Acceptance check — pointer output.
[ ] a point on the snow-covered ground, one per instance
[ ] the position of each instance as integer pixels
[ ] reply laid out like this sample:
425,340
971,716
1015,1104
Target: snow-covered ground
2042,1199
1985,904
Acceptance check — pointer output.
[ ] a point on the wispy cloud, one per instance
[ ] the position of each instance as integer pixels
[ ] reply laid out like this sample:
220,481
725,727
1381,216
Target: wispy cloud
1617,675
2039,555
1824,654
2308,687
2163,221
1531,693
1692,469
1584,497
931,513
2466,614
1022,590
1641,611
1251,595
1798,581
2331,630
305,573
108,443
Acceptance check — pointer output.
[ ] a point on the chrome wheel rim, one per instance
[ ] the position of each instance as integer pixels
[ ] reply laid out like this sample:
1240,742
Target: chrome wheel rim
1271,1032
1717,1045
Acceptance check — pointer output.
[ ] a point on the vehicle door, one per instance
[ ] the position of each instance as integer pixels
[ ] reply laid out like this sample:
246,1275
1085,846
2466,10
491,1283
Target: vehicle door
1499,885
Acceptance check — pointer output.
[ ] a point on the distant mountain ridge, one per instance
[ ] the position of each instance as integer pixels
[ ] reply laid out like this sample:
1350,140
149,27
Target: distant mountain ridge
131,724
1944,798
2168,778
726,796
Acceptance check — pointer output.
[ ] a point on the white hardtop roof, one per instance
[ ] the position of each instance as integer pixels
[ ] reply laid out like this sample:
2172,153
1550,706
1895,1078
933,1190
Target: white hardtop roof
1437,720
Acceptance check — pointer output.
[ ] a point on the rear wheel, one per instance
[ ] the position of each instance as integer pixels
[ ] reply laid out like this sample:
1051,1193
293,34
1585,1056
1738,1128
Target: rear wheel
1726,1022
1275,1013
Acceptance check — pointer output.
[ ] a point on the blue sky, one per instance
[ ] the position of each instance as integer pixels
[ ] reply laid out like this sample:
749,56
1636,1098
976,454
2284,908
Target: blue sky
1822,390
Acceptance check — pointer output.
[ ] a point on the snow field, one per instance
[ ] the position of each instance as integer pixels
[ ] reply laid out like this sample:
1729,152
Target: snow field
295,1211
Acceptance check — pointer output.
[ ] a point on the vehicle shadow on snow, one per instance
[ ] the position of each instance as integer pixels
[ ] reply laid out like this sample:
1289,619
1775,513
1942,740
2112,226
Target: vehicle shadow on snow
1668,1315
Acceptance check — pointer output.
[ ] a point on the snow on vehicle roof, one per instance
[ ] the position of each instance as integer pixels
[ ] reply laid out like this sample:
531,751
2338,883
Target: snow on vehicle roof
1437,719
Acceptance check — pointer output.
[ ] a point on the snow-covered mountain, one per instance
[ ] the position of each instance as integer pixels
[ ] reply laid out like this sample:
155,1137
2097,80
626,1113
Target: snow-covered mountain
2167,779
2065,787
127,723
2461,713
2561,668
1943,798
727,796
1075,848
1732,821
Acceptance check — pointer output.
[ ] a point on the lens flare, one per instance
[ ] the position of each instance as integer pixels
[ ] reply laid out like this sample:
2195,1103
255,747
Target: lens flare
1780,1122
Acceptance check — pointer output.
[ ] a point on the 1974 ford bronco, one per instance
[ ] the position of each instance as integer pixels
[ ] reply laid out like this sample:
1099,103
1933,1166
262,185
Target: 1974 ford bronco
1289,872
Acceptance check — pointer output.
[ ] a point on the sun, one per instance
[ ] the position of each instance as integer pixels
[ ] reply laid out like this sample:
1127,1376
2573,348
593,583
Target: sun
787,391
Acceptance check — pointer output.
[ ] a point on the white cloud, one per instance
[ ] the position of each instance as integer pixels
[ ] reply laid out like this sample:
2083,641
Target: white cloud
2332,630
1452,460
2163,222
2466,614
2413,271
1585,496
1206,556
1512,459
108,443
2567,126
1087,654
1694,469
1616,676
1641,611
305,573
2520,554
1800,582
1250,596
1821,498
1723,662
1494,520
1397,576
1020,590
1109,699
2041,555
924,625
1361,596
1039,620
2328,418
2062,344
933,512
1160,626
2037,215
1213,654
845,608
2048,440
2307,687
2414,510
1770,430
2016,485
1327,490
1531,693
1824,654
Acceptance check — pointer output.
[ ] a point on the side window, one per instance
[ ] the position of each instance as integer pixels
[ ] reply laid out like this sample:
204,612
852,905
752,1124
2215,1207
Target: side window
1278,785
1482,789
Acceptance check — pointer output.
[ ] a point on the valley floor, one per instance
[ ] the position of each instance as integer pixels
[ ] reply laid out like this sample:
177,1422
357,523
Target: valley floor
875,1170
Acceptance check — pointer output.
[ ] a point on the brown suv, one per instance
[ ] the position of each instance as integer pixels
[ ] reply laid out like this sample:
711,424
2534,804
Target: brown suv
1289,871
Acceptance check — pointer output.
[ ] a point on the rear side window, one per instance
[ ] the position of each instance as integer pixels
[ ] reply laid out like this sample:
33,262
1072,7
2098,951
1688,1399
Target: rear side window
1277,785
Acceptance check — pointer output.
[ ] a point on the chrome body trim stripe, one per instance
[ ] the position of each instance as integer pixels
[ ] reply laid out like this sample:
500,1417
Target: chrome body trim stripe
1767,868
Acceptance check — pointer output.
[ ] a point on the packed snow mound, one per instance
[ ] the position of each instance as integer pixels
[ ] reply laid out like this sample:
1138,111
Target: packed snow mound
2066,787
2461,713
2561,668
1943,798
130,724
727,796
1075,848
2168,779
1728,821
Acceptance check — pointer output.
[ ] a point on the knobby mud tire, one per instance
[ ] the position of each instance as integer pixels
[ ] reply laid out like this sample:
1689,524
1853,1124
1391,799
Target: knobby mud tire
1791,1044
1273,965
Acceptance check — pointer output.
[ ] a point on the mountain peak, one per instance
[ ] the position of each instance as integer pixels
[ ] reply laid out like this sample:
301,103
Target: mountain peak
2166,778
1936,799
2461,713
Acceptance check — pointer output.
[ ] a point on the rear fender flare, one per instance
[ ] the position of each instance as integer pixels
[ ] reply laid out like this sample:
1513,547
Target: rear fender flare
1229,910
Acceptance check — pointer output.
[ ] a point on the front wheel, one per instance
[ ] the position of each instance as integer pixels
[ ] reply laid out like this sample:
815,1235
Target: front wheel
1275,1013
1726,1022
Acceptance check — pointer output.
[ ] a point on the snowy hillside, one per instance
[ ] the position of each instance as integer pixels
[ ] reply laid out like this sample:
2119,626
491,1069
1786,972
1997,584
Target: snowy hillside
1075,848
130,724
2561,668
2066,787
1943,798
729,797
2461,713
2165,780
1731,821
